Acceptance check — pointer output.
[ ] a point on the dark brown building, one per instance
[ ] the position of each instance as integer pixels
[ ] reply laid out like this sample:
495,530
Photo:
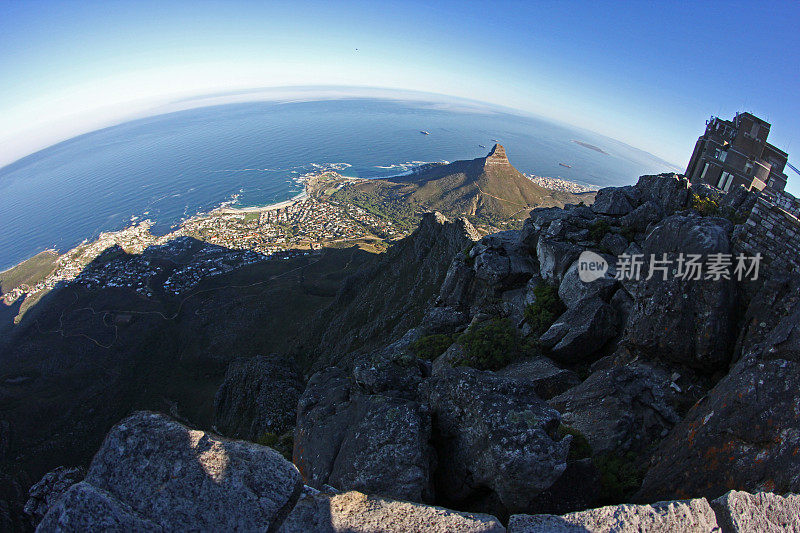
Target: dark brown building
736,152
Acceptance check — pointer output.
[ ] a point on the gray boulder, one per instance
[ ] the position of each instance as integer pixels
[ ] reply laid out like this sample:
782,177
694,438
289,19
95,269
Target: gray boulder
614,243
357,441
615,201
47,490
555,257
258,396
670,191
84,507
500,262
686,516
153,470
358,513
741,512
620,409
572,290
641,218
683,320
744,435
547,379
493,434
581,331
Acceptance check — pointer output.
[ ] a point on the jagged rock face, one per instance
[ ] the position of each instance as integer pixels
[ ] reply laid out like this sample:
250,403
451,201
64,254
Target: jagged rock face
357,441
684,321
497,156
615,201
573,291
357,512
258,396
745,434
669,191
153,473
689,516
494,434
377,306
581,331
621,409
49,489
740,512
775,299
547,379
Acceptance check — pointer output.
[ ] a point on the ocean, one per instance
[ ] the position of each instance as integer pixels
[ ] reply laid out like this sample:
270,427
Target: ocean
173,166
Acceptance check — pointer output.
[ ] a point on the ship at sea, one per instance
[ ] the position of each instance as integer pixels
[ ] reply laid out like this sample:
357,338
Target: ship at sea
424,132
565,165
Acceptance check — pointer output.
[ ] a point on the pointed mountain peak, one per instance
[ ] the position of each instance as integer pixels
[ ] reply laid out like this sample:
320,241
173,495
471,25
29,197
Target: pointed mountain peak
497,156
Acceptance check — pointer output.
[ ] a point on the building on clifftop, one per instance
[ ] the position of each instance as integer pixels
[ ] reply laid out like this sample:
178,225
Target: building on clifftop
736,152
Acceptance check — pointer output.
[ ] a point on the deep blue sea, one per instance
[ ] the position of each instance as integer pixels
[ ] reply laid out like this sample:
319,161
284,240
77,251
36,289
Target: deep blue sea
172,166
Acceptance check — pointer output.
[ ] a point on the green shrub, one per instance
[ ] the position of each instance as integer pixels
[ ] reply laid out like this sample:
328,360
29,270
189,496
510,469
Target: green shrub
629,233
283,444
705,206
543,312
619,477
491,345
579,448
598,230
431,346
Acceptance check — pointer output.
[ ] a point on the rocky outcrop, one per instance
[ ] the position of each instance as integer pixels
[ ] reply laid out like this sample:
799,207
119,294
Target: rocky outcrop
615,201
49,489
258,397
581,331
380,304
687,516
353,440
741,512
685,321
746,432
496,439
153,473
357,512
624,408
547,378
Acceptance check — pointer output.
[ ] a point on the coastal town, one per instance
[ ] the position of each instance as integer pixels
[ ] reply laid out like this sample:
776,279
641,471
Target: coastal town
224,239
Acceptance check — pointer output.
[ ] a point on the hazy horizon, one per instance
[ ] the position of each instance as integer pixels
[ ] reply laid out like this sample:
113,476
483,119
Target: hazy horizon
647,75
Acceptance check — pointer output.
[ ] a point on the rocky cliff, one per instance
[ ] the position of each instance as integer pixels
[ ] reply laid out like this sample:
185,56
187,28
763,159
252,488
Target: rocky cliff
488,377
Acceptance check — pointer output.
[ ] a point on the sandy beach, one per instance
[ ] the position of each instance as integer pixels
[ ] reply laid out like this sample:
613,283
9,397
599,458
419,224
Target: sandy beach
260,208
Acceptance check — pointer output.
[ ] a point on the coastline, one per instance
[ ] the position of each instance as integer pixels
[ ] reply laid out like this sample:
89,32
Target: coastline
260,208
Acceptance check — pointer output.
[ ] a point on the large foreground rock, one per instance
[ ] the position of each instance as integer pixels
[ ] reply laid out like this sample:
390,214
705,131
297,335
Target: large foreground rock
358,513
744,435
357,441
667,517
495,438
258,396
741,512
153,470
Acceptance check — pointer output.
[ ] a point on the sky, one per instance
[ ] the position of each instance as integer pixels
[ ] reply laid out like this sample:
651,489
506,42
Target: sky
646,73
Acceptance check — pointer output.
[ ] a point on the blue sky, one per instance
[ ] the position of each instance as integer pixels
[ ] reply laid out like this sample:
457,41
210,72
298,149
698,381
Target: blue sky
645,73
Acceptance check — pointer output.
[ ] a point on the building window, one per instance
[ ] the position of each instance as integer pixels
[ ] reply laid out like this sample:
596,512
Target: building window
754,130
721,154
703,175
771,183
748,168
725,180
